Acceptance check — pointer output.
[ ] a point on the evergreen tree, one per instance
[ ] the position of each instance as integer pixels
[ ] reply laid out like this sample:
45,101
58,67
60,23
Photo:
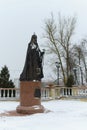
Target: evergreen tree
4,78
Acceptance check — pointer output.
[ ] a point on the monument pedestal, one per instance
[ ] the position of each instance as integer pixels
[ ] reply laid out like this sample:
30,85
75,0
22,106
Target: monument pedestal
30,98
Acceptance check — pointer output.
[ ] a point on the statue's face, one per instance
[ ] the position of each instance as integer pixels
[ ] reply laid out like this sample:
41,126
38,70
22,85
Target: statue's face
34,40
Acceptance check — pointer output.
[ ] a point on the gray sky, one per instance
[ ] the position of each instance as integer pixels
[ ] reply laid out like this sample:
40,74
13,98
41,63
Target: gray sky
20,18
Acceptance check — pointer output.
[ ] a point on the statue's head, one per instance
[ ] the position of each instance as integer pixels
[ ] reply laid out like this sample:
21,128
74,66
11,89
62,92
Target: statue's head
34,38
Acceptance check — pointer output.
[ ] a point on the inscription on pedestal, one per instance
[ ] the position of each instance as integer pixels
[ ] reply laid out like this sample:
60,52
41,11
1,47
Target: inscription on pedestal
37,93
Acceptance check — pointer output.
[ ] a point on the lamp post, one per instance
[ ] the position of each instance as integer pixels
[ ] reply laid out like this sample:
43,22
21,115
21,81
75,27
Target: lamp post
75,74
58,66
81,76
86,75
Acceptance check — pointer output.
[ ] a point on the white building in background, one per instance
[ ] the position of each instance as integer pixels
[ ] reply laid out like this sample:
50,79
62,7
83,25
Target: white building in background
16,82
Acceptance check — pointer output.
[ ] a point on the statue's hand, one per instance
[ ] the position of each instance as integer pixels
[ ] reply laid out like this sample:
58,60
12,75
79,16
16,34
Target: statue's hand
42,53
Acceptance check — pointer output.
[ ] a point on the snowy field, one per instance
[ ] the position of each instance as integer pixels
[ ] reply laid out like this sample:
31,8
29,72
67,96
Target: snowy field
64,115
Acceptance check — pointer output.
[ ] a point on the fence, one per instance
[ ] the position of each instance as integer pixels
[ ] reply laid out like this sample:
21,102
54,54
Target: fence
47,93
9,94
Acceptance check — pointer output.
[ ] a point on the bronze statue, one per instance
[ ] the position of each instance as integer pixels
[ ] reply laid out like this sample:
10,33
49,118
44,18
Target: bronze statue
33,69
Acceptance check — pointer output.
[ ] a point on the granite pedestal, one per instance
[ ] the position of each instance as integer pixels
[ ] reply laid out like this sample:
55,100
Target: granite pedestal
30,98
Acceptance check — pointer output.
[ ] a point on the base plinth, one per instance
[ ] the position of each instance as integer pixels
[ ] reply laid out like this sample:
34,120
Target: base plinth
30,98
30,110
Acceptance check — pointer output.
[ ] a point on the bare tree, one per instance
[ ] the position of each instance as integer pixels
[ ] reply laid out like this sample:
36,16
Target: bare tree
59,39
80,54
84,56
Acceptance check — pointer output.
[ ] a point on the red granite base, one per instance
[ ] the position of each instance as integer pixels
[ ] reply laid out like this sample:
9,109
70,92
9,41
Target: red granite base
29,104
30,110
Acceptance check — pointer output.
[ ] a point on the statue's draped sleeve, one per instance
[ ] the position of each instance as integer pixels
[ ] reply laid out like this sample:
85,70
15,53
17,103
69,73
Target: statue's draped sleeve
24,72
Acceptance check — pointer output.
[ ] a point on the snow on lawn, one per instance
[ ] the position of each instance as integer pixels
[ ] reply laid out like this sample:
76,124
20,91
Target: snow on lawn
64,115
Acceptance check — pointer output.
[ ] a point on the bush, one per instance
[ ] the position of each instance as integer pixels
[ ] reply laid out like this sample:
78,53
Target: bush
70,81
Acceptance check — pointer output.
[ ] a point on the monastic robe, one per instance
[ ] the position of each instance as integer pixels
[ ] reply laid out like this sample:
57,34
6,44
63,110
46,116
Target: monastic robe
33,69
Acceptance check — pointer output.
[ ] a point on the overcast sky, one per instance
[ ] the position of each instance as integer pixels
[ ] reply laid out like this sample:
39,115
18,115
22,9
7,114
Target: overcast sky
19,19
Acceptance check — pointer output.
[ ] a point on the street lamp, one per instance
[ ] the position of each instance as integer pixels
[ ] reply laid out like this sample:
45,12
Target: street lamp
58,66
86,75
81,76
75,74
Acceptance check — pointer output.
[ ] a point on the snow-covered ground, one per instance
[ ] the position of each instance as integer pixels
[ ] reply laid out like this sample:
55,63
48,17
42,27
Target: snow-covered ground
63,115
